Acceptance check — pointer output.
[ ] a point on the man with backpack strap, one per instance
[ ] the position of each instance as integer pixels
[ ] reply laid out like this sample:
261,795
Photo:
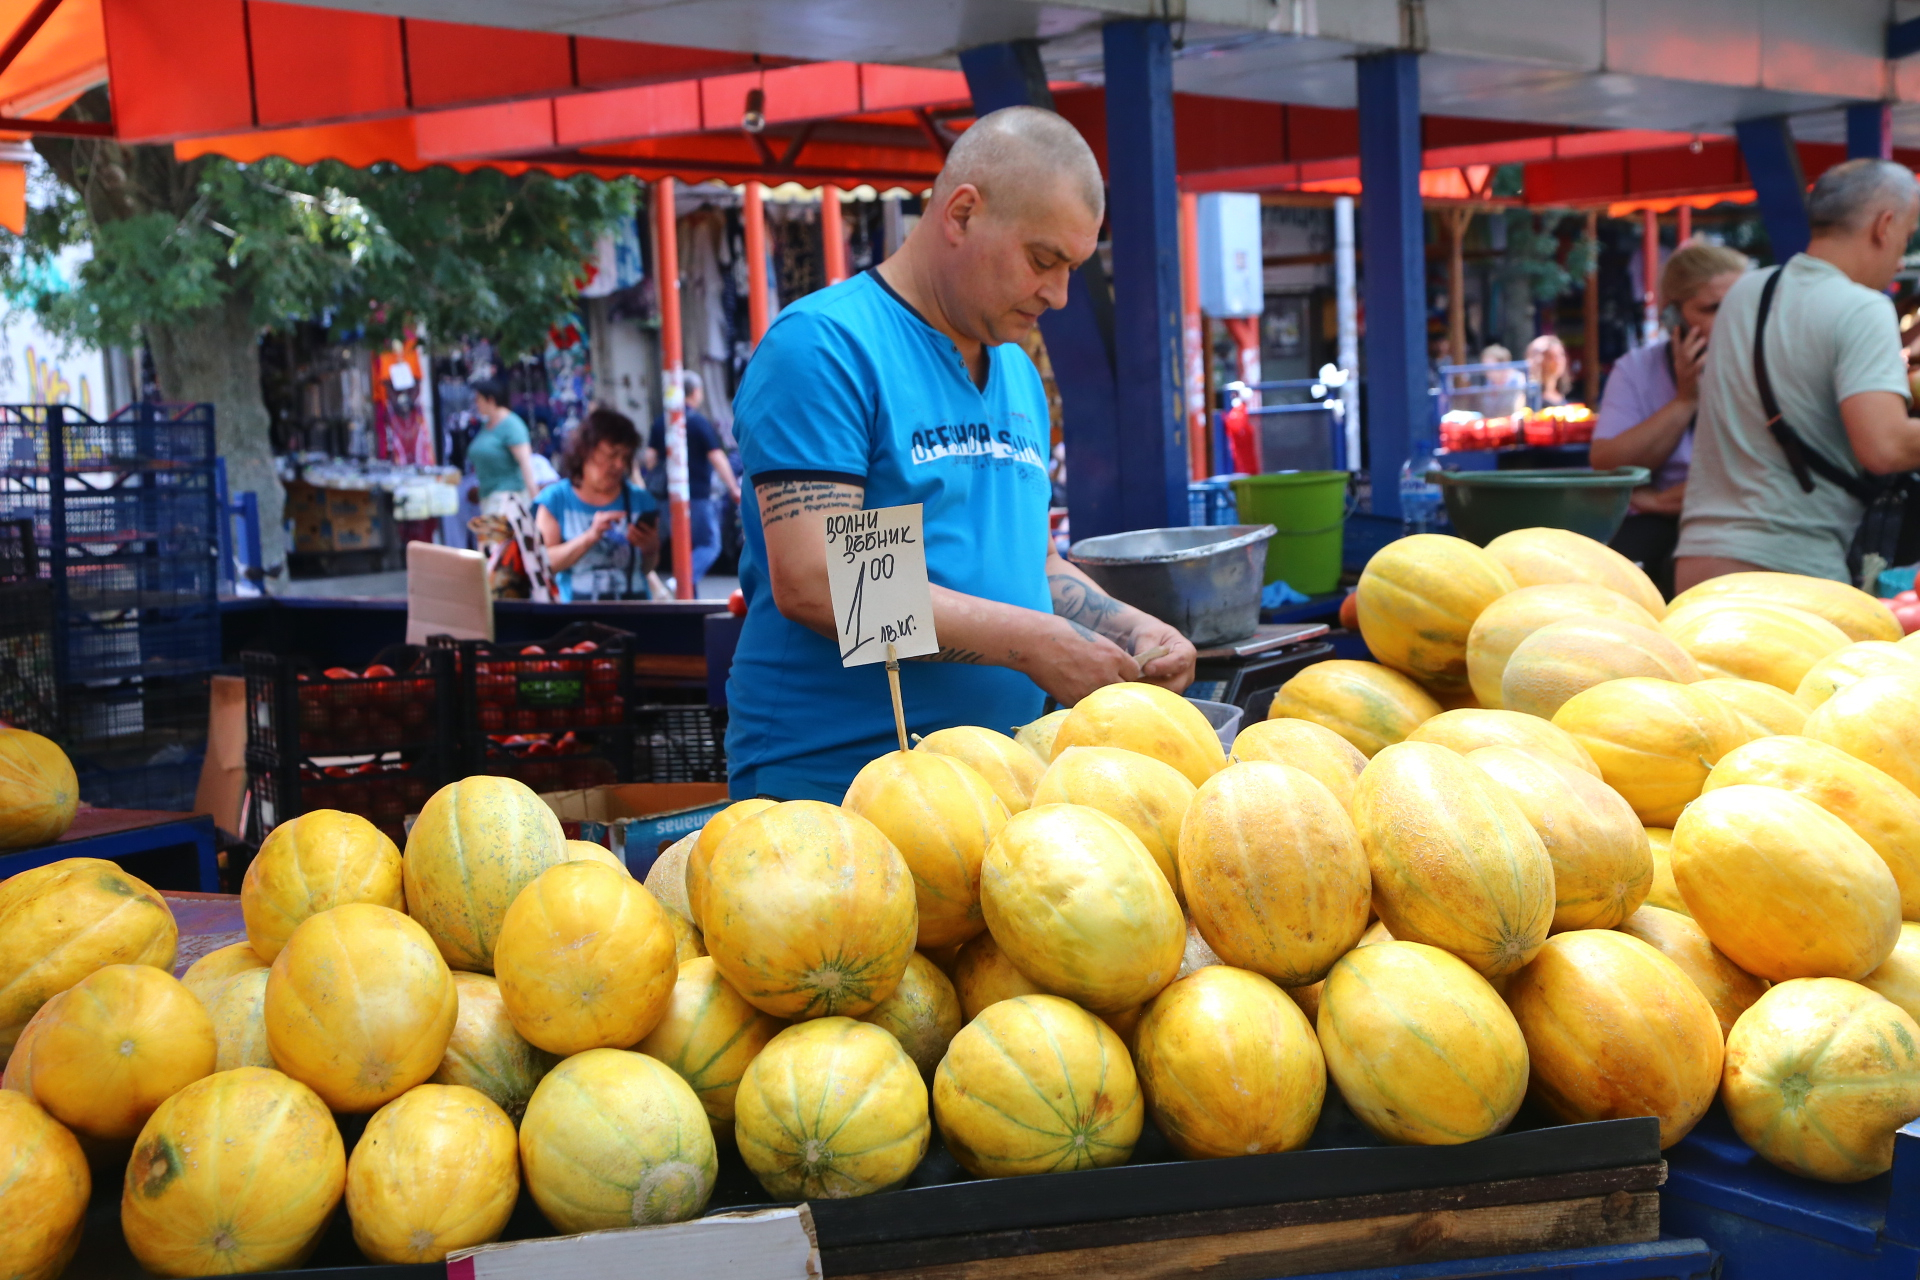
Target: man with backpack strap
1795,439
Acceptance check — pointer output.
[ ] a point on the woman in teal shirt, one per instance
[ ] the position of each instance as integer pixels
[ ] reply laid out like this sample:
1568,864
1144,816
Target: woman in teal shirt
602,530
502,453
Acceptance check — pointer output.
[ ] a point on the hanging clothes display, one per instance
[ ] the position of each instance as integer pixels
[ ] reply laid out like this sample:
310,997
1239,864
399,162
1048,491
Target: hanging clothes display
400,425
706,319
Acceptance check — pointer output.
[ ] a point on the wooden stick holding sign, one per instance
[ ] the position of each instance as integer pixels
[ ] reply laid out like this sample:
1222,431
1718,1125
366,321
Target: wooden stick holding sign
882,603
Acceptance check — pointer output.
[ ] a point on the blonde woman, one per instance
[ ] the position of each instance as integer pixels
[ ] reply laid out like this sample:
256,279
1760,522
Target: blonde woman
1646,414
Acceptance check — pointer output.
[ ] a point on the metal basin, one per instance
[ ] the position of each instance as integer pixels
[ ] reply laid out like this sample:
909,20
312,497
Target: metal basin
1203,581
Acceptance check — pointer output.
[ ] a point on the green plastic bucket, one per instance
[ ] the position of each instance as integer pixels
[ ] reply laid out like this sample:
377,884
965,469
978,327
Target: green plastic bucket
1308,510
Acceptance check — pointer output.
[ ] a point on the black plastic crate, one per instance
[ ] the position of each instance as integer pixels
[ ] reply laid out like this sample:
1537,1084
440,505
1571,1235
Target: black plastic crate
126,723
169,785
545,710
296,711
19,552
140,437
679,743
383,791
29,695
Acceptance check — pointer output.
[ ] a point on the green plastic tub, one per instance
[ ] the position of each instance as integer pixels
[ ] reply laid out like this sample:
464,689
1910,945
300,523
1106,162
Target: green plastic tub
1308,510
1485,504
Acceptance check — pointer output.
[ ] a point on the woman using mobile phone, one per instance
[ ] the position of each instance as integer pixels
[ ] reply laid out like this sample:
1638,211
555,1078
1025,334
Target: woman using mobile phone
1646,413
602,530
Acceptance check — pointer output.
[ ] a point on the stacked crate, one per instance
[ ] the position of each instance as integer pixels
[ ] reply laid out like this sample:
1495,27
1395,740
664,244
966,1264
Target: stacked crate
124,516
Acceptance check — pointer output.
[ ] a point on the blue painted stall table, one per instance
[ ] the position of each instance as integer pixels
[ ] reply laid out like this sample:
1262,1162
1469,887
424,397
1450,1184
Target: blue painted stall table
167,850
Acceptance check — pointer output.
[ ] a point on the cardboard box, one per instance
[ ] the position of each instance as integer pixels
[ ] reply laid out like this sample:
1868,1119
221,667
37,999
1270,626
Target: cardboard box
637,820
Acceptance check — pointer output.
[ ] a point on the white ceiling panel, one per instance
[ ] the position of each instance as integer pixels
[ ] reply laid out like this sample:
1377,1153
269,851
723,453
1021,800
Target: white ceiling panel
1833,46
1570,33
1704,41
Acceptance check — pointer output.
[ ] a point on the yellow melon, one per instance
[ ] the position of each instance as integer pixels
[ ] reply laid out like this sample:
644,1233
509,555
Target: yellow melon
1655,741
1229,1065
19,1073
811,911
708,1037
1876,720
588,851
584,959
44,1185
705,841
831,1109
1470,729
1898,977
941,815
436,1169
1147,719
60,922
1037,736
616,1139
476,844
1076,902
1602,866
261,1205
1009,767
1276,877
1369,705
1879,810
687,942
666,879
1786,889
1421,1047
1854,663
1563,659
1762,709
1037,1084
1418,599
205,976
982,976
39,792
1615,1029
1769,644
1663,892
1820,1075
311,863
1539,556
1314,749
125,1039
1846,607
923,1014
1455,862
1144,795
239,1013
1730,989
1502,625
360,1006
485,1053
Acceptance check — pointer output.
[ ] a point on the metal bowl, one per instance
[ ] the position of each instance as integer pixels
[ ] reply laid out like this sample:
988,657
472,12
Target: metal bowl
1204,581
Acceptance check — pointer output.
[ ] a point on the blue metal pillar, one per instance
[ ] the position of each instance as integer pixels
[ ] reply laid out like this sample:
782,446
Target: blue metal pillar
1143,210
1870,131
1393,254
1773,163
1079,336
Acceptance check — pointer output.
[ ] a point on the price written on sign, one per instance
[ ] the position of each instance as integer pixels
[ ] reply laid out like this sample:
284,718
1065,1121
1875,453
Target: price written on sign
877,572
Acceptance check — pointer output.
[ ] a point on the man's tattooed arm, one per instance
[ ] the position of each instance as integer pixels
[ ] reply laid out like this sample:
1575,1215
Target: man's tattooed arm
1088,608
784,500
967,656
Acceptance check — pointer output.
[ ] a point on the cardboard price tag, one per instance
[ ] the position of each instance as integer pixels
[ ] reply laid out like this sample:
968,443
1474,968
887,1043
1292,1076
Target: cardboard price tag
877,572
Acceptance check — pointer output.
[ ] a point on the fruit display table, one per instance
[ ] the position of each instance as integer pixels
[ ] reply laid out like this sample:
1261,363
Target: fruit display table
167,850
1769,1224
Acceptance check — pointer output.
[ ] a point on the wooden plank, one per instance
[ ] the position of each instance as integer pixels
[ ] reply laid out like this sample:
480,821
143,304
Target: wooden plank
1620,1217
978,1246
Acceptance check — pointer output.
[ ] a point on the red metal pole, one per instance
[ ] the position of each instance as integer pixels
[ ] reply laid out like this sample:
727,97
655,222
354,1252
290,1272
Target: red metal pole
833,239
666,241
1685,215
1196,365
756,222
1650,252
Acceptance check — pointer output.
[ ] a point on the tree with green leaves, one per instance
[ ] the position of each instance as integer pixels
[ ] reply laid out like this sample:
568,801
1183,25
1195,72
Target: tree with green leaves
197,257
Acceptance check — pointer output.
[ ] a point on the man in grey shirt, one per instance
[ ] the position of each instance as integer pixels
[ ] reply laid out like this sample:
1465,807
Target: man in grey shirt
1834,359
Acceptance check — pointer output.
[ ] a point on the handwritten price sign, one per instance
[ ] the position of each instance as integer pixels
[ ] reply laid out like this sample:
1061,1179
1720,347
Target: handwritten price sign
877,571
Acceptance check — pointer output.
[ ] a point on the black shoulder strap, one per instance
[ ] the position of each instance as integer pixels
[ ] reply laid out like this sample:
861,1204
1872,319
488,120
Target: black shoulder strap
1806,461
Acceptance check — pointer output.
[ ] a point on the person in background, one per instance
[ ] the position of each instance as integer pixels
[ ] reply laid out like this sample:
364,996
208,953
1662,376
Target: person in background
601,529
1839,379
501,452
706,463
1647,411
1547,365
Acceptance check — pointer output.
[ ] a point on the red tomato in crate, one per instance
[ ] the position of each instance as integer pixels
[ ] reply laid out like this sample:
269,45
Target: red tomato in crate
378,671
526,720
493,717
585,646
568,743
531,650
1909,615
737,603
542,749
341,673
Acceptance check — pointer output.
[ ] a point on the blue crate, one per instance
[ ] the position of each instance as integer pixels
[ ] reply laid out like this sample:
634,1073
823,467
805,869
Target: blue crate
1211,502
168,786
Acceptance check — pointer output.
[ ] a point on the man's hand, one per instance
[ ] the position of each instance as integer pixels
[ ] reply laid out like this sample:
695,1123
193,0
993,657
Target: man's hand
1173,669
1070,662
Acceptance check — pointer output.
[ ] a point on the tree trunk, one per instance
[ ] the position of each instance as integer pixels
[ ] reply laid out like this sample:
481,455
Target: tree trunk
1519,318
216,359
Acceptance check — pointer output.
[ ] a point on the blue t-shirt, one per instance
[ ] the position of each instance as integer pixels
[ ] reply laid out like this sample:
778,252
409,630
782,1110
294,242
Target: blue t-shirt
851,385
606,569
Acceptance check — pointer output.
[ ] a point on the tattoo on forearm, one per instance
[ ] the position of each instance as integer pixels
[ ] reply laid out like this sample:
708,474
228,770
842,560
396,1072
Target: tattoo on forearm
1086,605
790,498
1084,632
968,656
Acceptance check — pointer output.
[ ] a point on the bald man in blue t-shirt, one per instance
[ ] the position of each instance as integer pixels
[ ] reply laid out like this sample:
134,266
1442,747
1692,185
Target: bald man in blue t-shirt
906,384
